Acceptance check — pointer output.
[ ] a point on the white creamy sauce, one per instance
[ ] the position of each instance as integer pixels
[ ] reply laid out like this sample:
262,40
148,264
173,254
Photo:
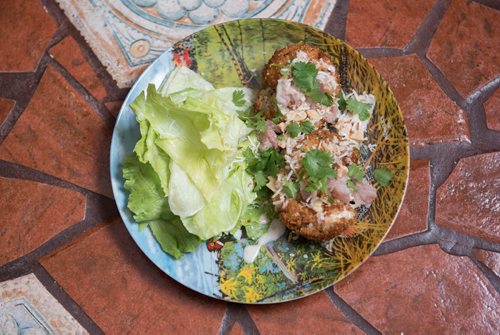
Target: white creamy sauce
274,232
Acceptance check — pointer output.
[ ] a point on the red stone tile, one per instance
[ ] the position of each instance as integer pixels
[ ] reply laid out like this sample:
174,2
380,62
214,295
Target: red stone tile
33,214
469,200
124,293
489,258
423,290
5,108
114,107
466,46
412,217
384,23
68,54
492,110
316,313
430,116
236,330
25,32
59,134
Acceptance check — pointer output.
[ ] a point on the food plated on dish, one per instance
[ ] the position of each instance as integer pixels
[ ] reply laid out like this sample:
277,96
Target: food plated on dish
274,186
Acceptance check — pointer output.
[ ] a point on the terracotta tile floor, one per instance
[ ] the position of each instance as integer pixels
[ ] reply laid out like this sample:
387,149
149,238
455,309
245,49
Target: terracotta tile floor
438,272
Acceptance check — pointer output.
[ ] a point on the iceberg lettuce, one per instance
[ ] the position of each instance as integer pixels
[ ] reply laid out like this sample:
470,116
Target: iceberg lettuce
188,174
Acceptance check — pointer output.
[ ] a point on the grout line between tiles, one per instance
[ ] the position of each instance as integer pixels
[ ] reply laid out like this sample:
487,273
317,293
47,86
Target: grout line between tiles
65,300
350,313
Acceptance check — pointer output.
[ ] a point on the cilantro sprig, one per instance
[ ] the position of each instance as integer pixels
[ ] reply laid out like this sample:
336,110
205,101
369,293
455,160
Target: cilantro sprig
294,129
383,176
306,127
304,77
318,166
263,165
359,108
362,109
355,173
290,188
239,98
253,120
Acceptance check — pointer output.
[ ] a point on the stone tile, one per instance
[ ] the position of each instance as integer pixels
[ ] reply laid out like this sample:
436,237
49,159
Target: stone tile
489,258
25,32
315,313
423,290
59,134
236,330
26,307
123,292
6,106
466,45
430,116
492,111
68,54
412,217
36,213
384,23
114,107
469,200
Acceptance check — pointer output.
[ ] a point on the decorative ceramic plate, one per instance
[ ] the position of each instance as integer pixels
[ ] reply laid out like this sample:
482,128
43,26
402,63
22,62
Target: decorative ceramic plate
233,54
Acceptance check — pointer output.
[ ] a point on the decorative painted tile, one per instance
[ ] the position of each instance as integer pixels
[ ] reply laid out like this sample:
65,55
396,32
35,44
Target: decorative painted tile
26,307
127,35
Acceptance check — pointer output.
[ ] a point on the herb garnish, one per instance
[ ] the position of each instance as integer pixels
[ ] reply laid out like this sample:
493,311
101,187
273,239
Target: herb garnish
360,108
268,162
318,166
306,127
355,172
238,98
383,176
304,77
293,129
253,120
290,188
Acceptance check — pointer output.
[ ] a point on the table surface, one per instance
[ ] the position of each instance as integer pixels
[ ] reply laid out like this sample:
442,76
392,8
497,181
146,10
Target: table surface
437,272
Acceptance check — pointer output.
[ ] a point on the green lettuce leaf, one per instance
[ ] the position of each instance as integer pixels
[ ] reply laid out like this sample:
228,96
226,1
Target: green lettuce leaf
146,199
146,149
151,209
173,237
233,197
191,143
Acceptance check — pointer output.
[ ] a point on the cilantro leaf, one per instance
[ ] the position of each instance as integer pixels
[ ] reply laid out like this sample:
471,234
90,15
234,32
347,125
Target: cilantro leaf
290,188
293,129
351,185
360,108
238,98
320,97
383,176
253,120
341,101
306,127
260,180
304,76
268,162
317,163
318,166
356,172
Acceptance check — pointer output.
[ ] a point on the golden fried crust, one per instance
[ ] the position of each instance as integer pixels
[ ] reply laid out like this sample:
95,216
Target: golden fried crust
313,140
264,104
285,55
303,221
